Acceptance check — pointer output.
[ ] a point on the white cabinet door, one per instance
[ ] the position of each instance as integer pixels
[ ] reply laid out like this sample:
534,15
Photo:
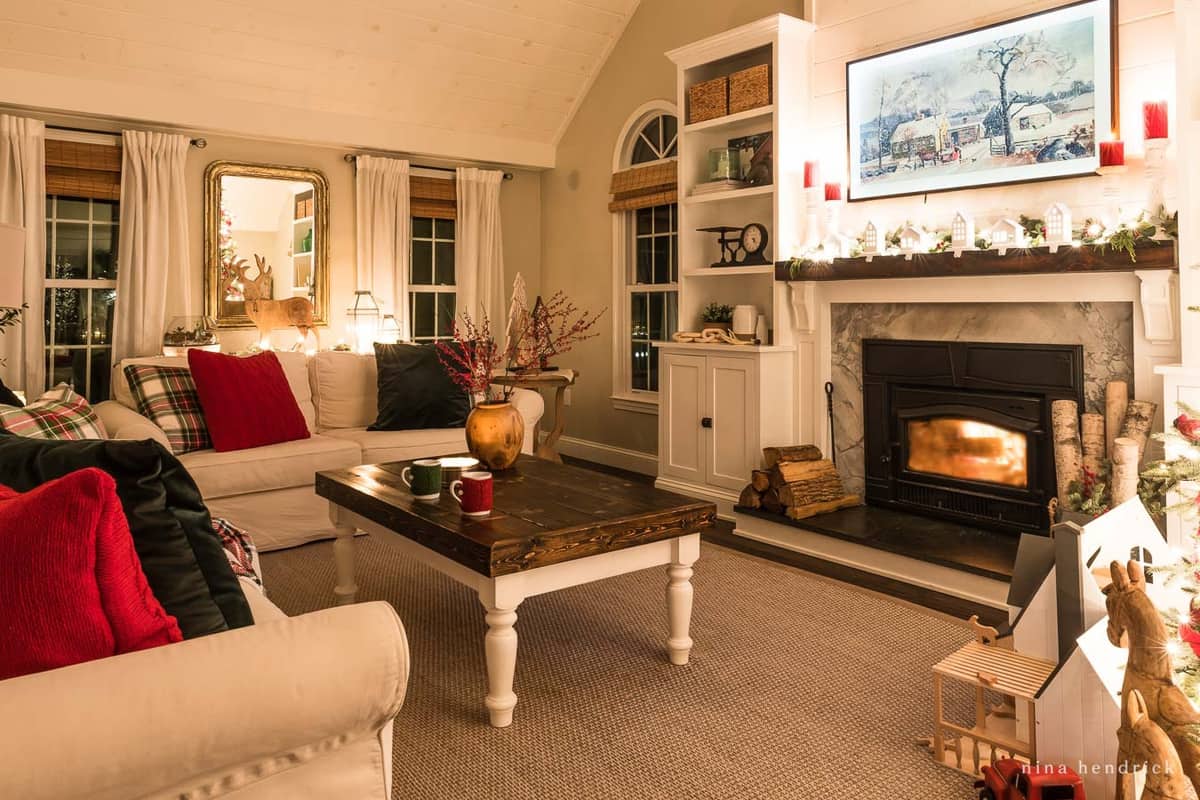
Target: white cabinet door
681,437
732,388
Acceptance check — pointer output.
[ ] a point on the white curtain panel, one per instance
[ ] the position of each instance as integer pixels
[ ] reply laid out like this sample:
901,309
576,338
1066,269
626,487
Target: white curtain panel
479,257
23,203
384,233
153,275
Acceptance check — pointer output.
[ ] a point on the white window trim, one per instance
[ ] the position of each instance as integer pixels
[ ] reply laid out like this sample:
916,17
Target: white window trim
623,398
431,288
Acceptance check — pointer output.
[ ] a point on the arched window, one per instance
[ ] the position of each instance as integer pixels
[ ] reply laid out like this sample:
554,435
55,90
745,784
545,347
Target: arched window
645,252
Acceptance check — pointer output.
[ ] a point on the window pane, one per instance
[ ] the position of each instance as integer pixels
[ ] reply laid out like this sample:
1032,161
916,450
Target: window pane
422,228
61,367
445,315
645,260
674,244
101,375
422,263
71,249
670,128
70,316
658,316
640,365
653,369
105,211
423,318
102,316
69,208
49,249
642,152
672,314
662,219
104,251
644,215
653,132
662,259
444,228
444,262
638,312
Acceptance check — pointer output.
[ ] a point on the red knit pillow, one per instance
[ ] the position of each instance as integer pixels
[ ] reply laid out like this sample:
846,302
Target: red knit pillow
71,586
247,401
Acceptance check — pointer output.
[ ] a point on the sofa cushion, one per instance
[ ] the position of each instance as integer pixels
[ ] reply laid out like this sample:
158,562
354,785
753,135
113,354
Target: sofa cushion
416,390
60,413
172,532
73,588
380,447
275,466
295,369
344,389
247,401
167,397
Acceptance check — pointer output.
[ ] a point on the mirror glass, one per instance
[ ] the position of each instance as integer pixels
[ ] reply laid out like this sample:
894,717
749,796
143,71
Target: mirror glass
265,239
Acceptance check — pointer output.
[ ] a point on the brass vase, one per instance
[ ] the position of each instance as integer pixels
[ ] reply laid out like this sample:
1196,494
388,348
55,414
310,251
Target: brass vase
495,433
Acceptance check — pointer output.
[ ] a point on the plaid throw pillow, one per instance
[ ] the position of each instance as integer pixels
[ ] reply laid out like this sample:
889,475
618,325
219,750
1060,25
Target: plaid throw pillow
239,549
167,397
60,413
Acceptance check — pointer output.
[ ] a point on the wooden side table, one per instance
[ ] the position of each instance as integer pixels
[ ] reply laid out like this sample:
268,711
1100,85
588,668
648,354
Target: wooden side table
560,380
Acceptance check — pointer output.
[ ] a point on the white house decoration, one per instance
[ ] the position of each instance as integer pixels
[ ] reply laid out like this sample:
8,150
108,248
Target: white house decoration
1007,233
912,240
871,240
838,245
1058,225
962,233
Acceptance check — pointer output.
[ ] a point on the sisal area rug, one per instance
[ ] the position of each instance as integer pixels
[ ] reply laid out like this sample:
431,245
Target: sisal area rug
798,687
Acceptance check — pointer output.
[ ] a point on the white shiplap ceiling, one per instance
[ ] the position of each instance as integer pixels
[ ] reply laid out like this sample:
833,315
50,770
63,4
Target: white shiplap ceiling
494,80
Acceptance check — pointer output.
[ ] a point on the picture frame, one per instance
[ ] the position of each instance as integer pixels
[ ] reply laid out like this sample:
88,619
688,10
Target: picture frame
1023,100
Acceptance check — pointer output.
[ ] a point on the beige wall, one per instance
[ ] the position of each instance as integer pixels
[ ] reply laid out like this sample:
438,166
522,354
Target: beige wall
519,199
576,224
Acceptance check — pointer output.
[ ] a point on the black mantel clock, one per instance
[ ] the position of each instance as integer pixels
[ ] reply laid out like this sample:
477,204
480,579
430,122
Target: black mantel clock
740,247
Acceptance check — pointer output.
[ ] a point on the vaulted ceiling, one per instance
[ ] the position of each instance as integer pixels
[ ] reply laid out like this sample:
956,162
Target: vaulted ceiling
485,79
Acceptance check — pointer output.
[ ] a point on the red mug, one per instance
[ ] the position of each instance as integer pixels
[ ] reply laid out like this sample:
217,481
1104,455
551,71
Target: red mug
473,491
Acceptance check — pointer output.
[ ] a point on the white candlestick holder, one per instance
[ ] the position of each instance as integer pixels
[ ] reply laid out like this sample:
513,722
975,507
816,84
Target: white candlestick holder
1156,174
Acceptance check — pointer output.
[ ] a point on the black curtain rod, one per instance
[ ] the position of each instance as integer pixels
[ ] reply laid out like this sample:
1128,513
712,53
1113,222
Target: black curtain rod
199,144
349,158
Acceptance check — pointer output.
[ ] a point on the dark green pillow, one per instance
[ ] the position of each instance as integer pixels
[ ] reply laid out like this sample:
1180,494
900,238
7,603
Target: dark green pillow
172,532
415,391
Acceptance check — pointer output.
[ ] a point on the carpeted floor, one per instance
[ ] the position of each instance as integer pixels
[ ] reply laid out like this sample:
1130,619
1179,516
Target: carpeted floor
798,687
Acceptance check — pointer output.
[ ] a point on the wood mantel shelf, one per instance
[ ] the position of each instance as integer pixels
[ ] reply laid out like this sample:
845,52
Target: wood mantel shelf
1152,255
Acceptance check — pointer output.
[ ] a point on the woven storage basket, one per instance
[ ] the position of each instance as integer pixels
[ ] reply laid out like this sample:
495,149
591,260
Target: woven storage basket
708,100
750,88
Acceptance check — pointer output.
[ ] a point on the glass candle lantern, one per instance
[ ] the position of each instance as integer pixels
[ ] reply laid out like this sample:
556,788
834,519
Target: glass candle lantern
724,164
362,321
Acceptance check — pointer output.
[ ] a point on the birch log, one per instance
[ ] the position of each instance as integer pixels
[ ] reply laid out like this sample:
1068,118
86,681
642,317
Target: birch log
1091,432
1139,415
1116,398
1125,470
1068,452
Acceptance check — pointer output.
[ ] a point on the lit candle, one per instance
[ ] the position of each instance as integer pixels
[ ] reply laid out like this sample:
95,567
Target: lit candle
812,174
833,192
1112,153
1154,119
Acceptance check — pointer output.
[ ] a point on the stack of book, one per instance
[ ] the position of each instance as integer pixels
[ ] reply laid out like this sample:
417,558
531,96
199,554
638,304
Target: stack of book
718,186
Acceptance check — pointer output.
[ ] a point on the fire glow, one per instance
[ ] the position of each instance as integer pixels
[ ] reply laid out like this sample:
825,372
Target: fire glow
968,450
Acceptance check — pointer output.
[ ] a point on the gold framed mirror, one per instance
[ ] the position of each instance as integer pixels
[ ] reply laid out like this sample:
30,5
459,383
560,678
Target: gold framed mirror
266,236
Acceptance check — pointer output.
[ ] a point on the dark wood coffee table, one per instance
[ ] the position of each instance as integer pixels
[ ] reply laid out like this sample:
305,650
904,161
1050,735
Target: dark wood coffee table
553,526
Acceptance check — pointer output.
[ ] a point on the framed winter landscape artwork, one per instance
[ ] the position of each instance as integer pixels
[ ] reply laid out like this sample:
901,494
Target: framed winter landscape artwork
1022,100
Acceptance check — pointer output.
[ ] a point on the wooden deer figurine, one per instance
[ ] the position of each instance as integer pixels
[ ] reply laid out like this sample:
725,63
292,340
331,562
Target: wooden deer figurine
1135,623
1144,746
267,314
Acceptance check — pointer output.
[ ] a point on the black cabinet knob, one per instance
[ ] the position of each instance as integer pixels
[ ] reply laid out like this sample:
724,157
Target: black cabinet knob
706,422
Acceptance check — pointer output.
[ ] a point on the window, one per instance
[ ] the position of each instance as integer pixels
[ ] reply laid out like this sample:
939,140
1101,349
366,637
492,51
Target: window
645,248
81,288
431,279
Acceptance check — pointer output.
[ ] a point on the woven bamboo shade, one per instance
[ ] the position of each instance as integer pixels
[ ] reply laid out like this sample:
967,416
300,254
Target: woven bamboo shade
433,197
80,169
643,187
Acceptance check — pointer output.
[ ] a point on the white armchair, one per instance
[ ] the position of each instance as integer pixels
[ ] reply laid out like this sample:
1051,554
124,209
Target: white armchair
293,708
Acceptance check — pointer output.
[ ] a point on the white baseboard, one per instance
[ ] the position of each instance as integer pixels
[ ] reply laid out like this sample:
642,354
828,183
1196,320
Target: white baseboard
956,583
724,500
610,456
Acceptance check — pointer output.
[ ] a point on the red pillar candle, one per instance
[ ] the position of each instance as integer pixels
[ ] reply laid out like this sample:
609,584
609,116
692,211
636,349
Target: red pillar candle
833,192
1154,119
812,174
1112,154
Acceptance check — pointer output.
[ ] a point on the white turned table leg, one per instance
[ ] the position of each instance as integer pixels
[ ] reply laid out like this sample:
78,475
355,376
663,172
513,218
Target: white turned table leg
500,647
345,590
684,552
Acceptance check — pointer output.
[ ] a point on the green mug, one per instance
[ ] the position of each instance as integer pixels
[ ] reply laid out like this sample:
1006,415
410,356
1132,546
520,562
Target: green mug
424,479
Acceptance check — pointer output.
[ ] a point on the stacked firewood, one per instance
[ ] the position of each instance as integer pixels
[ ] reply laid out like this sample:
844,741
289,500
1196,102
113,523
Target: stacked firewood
1089,442
797,482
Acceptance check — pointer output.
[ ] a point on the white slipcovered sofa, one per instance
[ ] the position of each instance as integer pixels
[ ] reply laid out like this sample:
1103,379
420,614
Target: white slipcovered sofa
268,491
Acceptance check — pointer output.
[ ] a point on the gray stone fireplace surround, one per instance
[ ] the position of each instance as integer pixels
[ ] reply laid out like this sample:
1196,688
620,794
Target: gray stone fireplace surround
1104,329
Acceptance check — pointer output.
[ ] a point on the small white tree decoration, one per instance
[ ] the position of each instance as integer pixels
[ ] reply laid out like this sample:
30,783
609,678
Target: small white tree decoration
1058,225
962,233
1006,233
913,239
871,240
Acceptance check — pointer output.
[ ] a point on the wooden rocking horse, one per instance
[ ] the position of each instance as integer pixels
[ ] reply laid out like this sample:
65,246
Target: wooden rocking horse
1144,746
1134,623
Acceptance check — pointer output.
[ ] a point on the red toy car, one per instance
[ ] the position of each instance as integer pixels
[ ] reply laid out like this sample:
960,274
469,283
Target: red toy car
1009,779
